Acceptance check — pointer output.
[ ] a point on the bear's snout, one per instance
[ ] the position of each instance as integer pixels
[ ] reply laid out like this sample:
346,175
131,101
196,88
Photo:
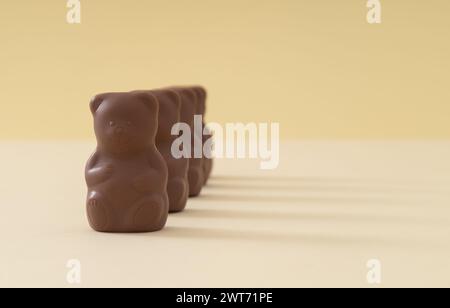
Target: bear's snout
120,130
121,135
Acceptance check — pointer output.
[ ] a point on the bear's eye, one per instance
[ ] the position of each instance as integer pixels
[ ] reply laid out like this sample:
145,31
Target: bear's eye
112,123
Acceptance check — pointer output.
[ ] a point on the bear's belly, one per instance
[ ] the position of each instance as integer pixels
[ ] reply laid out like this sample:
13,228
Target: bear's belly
120,189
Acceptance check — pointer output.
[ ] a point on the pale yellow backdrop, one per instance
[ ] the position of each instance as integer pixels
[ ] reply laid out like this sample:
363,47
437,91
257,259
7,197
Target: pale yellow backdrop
317,67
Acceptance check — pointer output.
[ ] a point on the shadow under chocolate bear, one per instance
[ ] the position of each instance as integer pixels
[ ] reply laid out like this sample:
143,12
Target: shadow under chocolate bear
126,176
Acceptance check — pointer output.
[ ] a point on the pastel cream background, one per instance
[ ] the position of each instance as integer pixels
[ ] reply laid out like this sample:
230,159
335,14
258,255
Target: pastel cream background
317,67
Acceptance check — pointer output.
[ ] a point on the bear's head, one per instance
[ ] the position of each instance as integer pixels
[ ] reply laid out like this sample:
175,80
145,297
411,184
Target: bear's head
201,99
125,122
169,113
188,105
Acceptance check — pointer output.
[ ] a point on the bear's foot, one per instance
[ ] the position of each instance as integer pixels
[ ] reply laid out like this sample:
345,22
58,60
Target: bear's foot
177,190
151,215
96,212
196,181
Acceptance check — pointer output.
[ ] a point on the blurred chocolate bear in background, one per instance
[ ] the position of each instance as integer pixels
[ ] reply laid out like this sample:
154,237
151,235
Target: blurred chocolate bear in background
188,110
169,115
201,109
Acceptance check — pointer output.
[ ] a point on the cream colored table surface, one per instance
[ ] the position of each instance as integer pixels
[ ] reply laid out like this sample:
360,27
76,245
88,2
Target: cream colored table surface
316,221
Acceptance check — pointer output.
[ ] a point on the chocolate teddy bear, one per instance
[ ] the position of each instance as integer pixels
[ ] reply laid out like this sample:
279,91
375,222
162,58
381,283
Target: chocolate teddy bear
169,115
188,110
126,176
201,109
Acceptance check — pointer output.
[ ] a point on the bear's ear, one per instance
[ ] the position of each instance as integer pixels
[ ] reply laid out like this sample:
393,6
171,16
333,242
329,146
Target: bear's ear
149,99
96,102
175,99
204,93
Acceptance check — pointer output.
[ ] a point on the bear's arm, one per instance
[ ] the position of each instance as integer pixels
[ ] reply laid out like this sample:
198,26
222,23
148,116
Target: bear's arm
181,165
96,174
157,176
